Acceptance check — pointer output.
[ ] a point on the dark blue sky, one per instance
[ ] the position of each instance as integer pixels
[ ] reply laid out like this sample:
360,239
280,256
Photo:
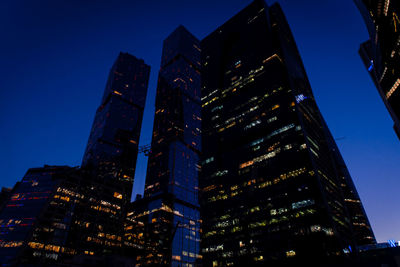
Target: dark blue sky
55,57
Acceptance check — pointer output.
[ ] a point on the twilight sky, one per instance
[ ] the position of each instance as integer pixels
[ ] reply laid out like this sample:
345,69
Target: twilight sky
55,57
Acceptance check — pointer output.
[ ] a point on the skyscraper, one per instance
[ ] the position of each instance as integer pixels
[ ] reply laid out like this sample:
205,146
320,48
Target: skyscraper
362,231
58,212
36,217
274,188
112,148
109,162
381,53
170,209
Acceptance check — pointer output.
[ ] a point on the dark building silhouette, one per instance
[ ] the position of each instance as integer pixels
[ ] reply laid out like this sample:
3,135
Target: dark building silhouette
58,213
362,231
35,220
112,148
167,219
4,195
109,162
274,188
381,53
99,212
76,215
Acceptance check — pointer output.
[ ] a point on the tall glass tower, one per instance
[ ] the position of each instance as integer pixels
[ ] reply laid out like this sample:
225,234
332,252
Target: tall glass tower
57,212
112,148
274,188
170,208
381,53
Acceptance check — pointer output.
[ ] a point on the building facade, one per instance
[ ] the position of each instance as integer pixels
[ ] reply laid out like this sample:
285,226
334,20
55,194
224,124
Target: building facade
57,213
35,220
381,53
63,214
112,147
99,212
109,162
272,190
169,211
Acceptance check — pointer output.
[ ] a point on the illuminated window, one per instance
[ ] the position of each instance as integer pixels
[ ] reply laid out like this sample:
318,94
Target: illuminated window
302,204
176,257
300,98
251,125
272,119
386,7
259,258
290,253
246,164
117,195
316,228
396,21
275,107
393,89
208,160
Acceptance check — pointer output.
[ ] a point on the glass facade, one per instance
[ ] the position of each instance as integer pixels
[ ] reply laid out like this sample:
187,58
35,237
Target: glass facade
163,231
272,190
57,213
29,229
98,215
363,234
108,167
381,53
112,148
171,190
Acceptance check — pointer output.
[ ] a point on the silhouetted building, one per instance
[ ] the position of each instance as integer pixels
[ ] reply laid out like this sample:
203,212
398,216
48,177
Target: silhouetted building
99,214
57,213
109,162
63,214
4,196
274,189
362,231
34,222
168,215
112,148
381,53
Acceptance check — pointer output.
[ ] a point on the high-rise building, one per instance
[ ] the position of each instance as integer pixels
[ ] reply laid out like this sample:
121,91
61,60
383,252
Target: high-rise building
362,232
96,228
112,148
274,188
57,212
381,53
35,219
169,211
109,162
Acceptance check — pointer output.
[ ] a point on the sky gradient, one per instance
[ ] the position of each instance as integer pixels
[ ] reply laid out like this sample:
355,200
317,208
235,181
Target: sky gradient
55,57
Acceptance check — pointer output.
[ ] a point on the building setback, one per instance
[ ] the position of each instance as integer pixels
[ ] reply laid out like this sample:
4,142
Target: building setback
274,188
381,53
168,218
